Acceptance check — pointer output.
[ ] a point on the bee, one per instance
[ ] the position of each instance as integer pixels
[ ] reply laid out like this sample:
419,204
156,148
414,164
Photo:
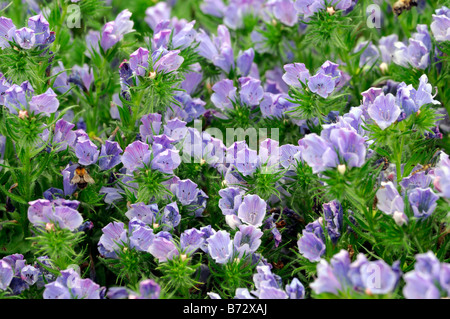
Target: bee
281,224
382,161
402,5
278,265
351,251
430,165
81,178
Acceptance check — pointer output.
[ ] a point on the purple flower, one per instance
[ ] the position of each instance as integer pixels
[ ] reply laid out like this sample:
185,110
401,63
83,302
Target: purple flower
191,240
442,176
389,200
141,237
171,216
247,161
25,37
82,76
166,161
136,155
40,26
378,277
295,289
321,84
423,95
440,27
308,7
331,69
271,293
251,92
87,152
53,193
284,11
166,61
215,8
244,61
114,31
224,93
252,210
184,37
156,14
29,274
145,213
186,191
384,111
428,265
317,153
139,61
70,286
231,199
247,240
15,99
92,43
269,153
151,125
332,277
61,83
265,278
163,249
416,54
311,246
387,47
45,103
149,289
43,211
419,286
290,155
175,129
68,174
224,59
7,29
370,55
109,155
192,79
350,146
220,247
334,217
6,274
66,217
423,202
114,234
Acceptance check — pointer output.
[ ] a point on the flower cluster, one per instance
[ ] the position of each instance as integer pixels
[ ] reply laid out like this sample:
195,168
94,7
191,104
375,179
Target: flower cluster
248,149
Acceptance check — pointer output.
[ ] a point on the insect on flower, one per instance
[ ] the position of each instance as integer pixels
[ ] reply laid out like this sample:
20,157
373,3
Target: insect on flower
82,178
430,164
402,5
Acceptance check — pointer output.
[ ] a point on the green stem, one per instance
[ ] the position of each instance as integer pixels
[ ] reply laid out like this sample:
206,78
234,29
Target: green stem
398,161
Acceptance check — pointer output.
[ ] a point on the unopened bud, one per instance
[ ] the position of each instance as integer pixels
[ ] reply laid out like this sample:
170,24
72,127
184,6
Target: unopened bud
224,183
368,292
383,67
155,225
342,168
400,218
152,75
49,226
202,162
331,11
183,257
